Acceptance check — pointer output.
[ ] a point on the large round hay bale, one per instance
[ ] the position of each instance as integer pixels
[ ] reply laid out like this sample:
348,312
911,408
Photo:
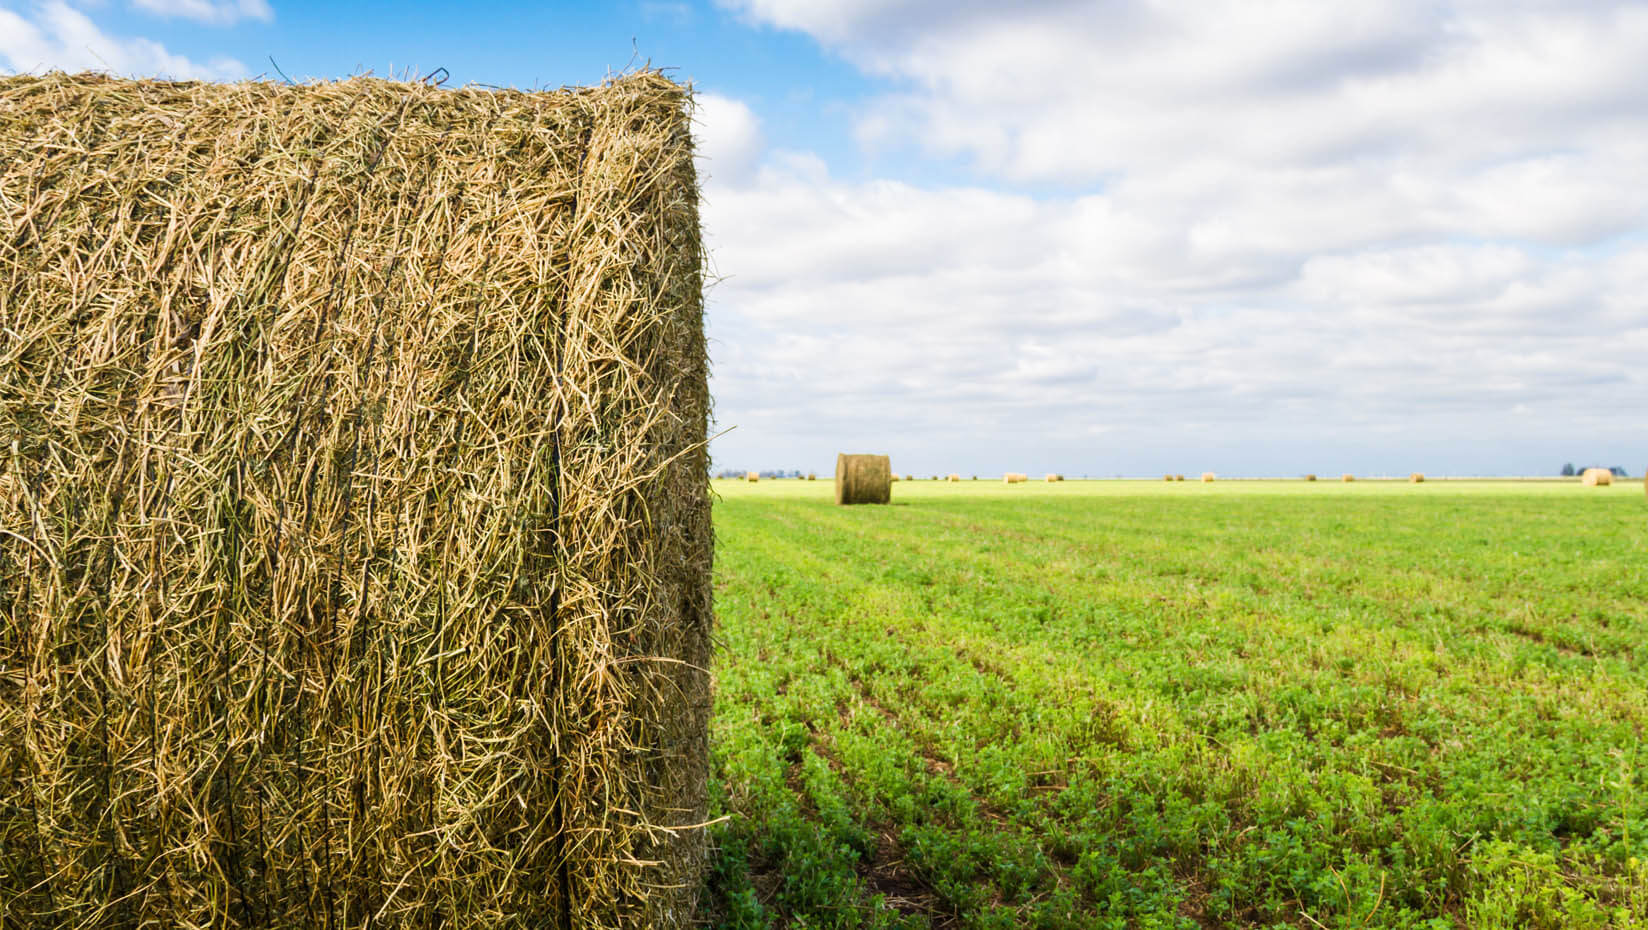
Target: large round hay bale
1347,477
1207,477
1052,477
1596,478
812,476
1417,478
1167,477
1178,477
1014,477
863,479
752,476
1310,477
953,478
371,429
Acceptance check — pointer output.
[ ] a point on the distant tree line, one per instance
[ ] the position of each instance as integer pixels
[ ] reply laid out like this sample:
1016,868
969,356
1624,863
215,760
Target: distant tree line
1569,470
769,473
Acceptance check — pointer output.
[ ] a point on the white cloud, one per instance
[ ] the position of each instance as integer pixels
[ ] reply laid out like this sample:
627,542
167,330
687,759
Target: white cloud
58,36
1264,225
728,136
1196,309
212,12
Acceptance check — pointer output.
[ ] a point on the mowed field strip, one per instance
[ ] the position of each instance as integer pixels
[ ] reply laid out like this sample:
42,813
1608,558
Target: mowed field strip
1152,704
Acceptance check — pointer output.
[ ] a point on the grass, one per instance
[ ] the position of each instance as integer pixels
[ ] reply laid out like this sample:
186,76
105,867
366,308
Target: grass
1142,704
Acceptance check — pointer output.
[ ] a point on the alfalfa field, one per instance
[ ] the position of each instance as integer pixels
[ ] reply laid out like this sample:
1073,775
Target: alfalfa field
1143,704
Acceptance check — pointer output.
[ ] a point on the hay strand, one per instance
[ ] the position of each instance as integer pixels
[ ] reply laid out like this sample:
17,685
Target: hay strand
359,558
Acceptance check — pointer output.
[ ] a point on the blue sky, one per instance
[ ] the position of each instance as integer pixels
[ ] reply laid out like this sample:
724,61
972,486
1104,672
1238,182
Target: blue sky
1116,237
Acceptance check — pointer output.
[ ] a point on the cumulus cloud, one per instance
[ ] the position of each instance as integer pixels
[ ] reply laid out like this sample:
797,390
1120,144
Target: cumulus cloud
211,12
728,137
1388,230
55,35
881,313
1265,226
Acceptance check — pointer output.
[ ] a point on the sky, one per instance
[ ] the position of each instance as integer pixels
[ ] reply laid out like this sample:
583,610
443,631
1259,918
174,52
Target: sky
1127,237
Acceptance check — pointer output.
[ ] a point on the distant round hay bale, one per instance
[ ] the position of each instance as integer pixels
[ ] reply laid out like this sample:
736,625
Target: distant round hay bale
909,477
1310,477
863,479
1014,477
935,477
1052,477
1178,477
812,476
752,476
954,478
1417,477
1596,478
1207,477
1167,477
1347,478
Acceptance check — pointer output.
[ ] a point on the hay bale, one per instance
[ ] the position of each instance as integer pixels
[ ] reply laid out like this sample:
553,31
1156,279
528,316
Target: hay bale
1596,478
1207,477
1416,478
1014,477
1051,477
1310,477
1347,478
909,477
812,476
372,417
1178,477
752,476
953,478
863,479
1167,477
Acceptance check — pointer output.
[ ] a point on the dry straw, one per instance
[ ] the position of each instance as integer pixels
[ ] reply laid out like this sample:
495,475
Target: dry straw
953,478
1596,477
1051,477
1417,478
812,476
752,476
863,479
357,537
1310,477
1207,477
1178,477
1347,478
1014,477
1167,477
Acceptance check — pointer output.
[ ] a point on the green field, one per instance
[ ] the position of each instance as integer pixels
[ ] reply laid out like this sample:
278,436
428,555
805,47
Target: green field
1137,704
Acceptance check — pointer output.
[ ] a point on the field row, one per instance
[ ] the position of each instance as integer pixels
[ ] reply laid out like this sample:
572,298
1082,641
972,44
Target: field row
1118,704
